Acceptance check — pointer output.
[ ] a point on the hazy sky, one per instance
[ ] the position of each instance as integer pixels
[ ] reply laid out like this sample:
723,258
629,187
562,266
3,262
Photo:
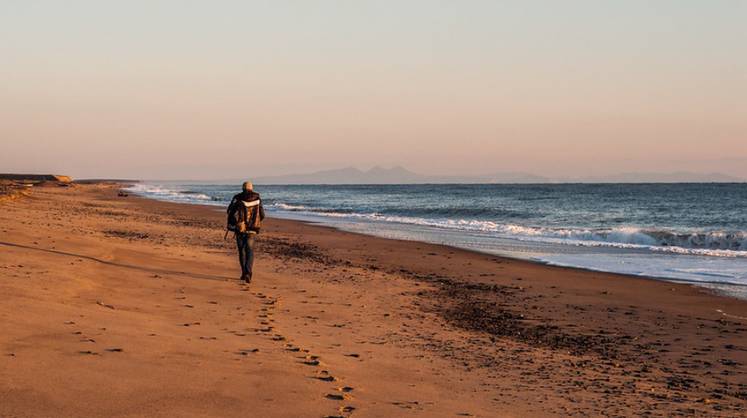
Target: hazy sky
226,89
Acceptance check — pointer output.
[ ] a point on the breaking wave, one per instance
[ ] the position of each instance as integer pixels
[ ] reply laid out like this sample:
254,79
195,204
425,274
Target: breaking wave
165,193
711,243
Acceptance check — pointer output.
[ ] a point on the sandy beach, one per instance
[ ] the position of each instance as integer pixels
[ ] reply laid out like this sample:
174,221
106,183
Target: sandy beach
123,307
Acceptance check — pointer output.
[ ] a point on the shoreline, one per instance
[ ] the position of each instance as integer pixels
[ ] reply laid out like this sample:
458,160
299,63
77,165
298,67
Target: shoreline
686,282
715,291
720,270
339,320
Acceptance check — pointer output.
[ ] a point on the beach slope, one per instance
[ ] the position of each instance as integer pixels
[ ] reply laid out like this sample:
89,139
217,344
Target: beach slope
119,306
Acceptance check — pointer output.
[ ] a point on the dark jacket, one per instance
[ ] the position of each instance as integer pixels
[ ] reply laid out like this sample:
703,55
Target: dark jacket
251,215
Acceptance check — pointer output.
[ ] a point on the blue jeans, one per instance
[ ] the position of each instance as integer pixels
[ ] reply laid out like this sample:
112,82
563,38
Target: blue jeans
245,244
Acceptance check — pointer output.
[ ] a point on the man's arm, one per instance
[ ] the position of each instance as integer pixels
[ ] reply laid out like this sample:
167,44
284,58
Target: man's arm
261,211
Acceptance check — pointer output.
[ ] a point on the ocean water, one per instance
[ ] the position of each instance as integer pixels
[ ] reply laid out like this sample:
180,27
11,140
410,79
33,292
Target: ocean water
682,232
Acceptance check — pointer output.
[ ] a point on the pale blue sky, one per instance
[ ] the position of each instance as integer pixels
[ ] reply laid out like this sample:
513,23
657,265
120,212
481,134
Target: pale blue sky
187,89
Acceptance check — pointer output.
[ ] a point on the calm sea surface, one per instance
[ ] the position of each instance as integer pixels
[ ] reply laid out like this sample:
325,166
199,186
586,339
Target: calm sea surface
684,232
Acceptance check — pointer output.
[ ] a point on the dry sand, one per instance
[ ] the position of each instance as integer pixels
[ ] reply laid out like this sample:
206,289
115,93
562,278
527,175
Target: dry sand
121,306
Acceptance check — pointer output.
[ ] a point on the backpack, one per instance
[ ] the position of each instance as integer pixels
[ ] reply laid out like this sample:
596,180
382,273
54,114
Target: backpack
249,219
244,217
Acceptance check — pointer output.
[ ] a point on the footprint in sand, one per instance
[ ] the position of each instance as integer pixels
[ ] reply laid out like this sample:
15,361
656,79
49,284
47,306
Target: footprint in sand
115,350
335,396
407,404
325,376
106,305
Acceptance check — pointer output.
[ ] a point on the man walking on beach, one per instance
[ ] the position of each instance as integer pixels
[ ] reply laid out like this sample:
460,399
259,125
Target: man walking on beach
245,214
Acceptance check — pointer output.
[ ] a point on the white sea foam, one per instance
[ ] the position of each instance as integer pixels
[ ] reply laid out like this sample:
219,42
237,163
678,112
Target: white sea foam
169,194
284,206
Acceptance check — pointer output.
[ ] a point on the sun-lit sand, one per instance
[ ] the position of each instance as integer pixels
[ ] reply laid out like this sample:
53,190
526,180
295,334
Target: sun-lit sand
119,306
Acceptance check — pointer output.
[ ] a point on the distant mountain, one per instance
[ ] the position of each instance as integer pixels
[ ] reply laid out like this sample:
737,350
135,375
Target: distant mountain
675,177
395,175
504,177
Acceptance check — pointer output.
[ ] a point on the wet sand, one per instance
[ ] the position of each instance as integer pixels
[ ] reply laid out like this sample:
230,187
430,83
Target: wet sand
122,306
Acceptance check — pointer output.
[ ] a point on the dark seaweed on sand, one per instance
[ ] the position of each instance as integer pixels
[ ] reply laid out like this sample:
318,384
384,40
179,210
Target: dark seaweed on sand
286,249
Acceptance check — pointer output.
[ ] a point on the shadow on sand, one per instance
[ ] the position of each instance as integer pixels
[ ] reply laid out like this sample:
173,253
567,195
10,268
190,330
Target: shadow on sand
123,265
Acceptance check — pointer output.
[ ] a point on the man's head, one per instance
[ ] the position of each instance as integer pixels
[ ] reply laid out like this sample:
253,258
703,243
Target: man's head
247,186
